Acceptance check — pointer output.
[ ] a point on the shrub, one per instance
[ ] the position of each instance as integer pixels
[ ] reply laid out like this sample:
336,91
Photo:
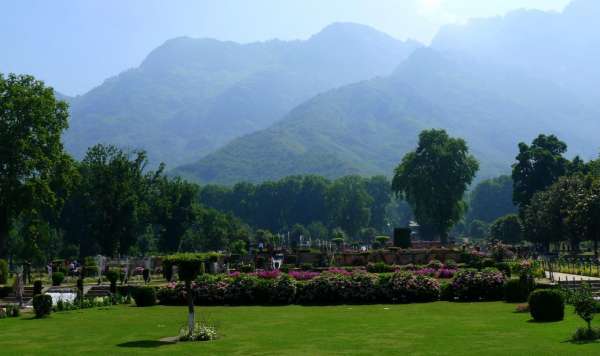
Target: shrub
585,308
405,287
42,305
303,275
37,287
504,267
547,305
435,264
474,285
306,266
144,296
113,277
362,289
487,263
57,278
3,271
446,292
379,267
516,291
210,290
172,294
451,264
284,291
242,291
324,289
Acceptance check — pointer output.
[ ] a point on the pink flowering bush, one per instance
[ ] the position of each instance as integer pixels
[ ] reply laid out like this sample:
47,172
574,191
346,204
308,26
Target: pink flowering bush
327,288
426,272
340,271
475,285
303,275
405,287
445,273
273,274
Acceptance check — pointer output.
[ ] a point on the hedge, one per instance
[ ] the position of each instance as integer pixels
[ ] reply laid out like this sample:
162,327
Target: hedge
547,305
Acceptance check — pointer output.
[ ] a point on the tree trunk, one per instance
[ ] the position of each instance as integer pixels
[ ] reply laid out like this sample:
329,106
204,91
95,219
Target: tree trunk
191,312
4,230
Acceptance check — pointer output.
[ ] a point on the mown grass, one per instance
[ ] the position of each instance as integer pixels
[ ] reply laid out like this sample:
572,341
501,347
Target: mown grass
416,329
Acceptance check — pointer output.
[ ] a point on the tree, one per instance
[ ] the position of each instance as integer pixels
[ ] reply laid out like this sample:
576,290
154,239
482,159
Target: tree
491,199
507,229
433,179
349,204
549,217
111,200
585,215
538,166
379,188
31,124
478,229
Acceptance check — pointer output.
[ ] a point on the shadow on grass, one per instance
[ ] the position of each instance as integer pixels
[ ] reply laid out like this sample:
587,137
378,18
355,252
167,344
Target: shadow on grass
580,342
146,344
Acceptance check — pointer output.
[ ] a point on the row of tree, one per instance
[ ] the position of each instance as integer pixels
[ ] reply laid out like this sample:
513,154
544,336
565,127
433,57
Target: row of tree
351,203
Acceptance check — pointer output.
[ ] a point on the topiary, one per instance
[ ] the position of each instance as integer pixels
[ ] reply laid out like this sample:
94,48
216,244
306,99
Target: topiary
57,278
42,305
547,305
113,277
144,296
3,271
516,291
37,287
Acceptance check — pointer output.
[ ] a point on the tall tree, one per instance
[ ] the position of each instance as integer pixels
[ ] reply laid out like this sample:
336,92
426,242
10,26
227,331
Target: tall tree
491,199
433,179
31,124
380,189
349,204
538,166
507,229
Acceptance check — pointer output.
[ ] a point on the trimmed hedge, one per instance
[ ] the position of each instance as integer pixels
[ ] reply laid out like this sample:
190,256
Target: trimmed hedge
37,287
57,278
42,305
144,296
516,291
547,305
327,288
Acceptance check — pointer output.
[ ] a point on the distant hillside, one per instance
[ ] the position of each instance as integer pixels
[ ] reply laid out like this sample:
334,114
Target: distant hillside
191,96
560,47
366,128
494,82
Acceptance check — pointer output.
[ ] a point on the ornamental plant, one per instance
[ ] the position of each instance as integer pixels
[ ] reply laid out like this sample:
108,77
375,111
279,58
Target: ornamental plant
303,275
42,305
188,268
403,287
547,305
585,308
57,278
113,277
474,285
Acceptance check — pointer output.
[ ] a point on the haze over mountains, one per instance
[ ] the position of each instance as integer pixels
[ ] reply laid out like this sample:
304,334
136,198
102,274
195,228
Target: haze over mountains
352,100
493,82
191,96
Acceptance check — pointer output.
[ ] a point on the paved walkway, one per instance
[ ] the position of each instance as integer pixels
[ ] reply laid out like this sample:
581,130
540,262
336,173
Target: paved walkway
570,277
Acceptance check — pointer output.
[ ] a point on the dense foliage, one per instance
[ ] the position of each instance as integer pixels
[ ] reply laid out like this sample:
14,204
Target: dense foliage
547,305
42,305
433,179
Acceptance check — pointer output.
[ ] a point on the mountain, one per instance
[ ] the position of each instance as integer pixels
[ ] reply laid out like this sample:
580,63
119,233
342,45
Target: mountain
494,82
366,128
191,96
560,47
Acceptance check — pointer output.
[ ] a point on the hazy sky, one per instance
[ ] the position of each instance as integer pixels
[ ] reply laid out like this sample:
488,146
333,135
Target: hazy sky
75,44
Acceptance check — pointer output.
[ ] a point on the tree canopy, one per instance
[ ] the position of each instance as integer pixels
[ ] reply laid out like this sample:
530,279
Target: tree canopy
434,178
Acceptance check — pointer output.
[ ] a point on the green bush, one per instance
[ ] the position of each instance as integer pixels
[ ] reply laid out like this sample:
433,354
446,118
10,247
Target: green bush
144,296
42,305
57,278
547,305
504,267
37,287
516,291
446,292
112,276
3,271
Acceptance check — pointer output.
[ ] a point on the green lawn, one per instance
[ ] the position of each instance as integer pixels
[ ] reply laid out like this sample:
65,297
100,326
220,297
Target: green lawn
416,329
